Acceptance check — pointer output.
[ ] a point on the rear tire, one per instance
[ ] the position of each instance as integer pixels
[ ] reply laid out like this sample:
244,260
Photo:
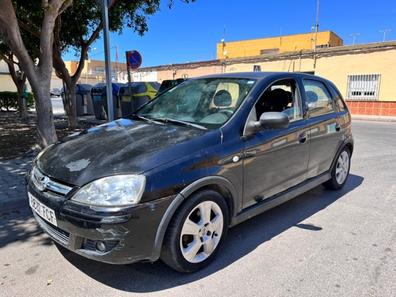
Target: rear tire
196,232
340,170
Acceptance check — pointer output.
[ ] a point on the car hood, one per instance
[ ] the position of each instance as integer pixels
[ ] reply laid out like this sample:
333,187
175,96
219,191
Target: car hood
120,147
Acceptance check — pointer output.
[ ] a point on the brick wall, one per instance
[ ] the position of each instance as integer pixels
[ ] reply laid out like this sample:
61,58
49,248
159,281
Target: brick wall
380,108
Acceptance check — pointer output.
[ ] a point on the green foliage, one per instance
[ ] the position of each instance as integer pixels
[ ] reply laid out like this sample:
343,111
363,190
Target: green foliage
30,11
81,19
84,16
9,100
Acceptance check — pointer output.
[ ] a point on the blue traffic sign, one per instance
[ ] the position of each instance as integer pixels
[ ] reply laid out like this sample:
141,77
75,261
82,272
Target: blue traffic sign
134,59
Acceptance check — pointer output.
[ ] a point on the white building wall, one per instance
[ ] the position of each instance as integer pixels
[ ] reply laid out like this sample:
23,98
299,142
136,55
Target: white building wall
145,76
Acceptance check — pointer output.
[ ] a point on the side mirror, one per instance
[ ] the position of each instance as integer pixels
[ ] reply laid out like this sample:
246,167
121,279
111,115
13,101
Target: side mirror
274,120
269,120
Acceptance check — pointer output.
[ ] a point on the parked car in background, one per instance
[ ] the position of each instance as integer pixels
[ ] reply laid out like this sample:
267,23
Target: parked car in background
203,156
55,92
136,94
170,83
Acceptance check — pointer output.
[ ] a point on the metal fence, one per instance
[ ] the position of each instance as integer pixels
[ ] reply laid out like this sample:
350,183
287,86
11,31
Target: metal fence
363,86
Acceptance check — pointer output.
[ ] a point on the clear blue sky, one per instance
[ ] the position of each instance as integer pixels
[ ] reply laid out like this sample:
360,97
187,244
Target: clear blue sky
189,32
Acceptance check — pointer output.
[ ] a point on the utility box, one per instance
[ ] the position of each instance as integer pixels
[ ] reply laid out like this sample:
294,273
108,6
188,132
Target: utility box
84,104
99,99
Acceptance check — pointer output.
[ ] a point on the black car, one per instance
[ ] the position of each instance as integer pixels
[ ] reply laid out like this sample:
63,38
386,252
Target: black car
202,157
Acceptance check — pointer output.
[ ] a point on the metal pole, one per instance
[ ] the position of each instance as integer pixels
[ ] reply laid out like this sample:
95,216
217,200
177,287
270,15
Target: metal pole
129,81
109,88
354,35
316,24
316,32
384,31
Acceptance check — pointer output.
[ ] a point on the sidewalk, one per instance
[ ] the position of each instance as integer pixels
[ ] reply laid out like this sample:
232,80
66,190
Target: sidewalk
358,117
12,181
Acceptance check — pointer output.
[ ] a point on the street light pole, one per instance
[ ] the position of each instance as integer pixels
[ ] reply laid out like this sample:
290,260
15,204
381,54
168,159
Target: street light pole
354,35
109,88
316,32
384,31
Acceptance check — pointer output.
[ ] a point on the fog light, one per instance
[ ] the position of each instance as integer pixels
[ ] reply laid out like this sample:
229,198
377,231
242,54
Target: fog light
101,246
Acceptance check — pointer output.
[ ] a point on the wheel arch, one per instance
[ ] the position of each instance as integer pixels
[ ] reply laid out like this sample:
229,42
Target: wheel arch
216,183
346,143
349,145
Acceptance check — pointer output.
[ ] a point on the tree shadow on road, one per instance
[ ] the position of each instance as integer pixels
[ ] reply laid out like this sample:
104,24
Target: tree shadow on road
17,224
16,220
241,240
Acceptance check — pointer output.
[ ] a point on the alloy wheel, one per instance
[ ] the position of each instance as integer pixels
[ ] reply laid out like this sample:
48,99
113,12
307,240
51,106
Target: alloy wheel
342,167
201,231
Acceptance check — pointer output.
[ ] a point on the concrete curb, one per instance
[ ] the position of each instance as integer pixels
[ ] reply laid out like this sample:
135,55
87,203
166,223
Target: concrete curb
373,118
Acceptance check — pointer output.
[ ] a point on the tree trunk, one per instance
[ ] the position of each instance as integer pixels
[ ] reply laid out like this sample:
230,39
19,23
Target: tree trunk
70,80
19,81
69,103
45,118
39,75
69,83
22,101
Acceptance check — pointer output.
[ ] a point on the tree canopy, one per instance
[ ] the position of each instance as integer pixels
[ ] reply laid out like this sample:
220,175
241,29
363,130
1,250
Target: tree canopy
55,26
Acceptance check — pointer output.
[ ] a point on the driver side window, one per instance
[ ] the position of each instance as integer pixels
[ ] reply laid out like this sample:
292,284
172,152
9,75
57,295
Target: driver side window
281,96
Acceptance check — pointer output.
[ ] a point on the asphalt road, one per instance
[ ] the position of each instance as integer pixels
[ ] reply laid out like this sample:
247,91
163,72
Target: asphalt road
319,244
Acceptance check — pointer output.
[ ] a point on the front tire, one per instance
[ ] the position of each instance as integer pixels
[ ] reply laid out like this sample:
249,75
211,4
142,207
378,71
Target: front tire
196,232
340,170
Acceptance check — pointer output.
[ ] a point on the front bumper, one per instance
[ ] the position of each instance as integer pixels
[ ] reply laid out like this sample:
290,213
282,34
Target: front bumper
128,234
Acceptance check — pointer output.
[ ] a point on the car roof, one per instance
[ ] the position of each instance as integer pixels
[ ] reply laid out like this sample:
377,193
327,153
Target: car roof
259,75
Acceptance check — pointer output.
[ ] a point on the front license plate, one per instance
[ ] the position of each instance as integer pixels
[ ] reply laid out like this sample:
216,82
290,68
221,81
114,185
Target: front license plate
43,211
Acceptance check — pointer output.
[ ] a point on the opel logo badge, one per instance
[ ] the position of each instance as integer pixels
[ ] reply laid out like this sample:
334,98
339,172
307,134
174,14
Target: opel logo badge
42,183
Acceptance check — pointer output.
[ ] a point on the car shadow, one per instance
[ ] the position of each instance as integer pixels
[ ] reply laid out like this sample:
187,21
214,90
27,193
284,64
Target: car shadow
241,240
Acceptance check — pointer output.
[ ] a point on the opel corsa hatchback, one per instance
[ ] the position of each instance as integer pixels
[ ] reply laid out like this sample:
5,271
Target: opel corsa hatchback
202,157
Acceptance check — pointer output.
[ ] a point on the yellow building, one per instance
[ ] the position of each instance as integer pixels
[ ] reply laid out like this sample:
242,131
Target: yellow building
277,45
94,71
363,73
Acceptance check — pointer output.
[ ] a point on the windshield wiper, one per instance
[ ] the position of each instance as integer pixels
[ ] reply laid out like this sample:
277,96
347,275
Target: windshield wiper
147,119
169,120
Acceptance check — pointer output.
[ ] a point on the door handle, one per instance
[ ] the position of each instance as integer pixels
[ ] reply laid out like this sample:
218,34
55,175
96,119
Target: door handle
302,138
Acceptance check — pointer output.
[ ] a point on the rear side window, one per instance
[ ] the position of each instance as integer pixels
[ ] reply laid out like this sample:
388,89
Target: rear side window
318,98
337,97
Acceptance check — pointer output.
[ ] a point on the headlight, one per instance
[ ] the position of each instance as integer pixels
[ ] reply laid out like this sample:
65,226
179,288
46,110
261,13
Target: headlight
118,190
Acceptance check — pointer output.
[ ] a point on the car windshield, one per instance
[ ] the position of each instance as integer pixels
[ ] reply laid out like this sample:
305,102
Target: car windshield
206,103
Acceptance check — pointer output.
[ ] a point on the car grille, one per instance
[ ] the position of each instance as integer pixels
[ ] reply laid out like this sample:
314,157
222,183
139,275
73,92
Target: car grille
54,232
43,182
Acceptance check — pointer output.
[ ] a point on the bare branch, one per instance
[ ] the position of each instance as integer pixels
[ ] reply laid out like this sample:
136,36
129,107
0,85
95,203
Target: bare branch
95,34
30,28
9,28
